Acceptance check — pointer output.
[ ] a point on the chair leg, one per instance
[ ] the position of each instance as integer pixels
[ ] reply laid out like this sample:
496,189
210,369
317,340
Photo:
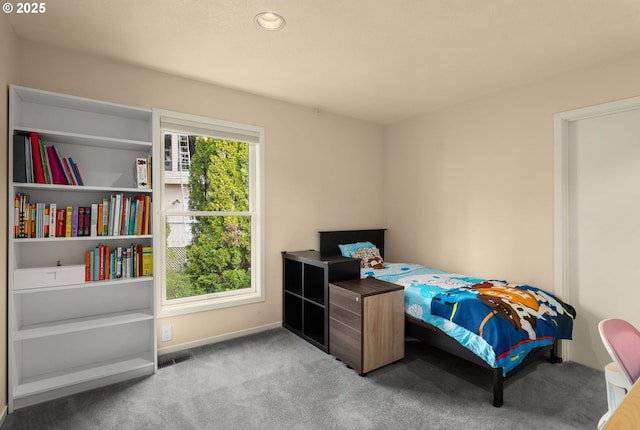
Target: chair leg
603,420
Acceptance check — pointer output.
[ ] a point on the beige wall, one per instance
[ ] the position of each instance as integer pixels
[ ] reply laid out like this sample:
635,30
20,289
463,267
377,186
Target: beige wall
477,179
308,156
8,72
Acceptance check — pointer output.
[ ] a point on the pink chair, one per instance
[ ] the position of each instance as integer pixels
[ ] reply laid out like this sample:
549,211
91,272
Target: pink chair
622,341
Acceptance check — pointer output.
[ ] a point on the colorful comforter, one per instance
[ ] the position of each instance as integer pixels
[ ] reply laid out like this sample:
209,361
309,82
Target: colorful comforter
498,321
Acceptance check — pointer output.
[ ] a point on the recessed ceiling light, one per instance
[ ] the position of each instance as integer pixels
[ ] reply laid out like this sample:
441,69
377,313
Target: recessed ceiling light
270,21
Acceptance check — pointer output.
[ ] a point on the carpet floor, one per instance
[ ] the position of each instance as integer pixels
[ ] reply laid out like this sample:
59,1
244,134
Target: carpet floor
276,380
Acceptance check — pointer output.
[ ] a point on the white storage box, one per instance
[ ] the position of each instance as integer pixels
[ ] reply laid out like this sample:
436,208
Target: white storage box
38,277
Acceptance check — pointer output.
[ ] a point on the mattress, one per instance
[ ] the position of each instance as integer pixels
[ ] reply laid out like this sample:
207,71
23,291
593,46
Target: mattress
498,321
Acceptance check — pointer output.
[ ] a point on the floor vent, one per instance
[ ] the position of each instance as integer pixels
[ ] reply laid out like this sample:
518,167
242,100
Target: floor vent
171,359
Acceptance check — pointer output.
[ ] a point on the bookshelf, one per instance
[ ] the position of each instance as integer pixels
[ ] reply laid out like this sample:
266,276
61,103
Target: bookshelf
67,332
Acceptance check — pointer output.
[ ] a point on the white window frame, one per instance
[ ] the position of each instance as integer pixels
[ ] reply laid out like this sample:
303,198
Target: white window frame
166,120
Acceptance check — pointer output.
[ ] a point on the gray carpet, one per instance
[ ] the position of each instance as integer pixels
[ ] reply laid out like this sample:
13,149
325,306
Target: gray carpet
275,380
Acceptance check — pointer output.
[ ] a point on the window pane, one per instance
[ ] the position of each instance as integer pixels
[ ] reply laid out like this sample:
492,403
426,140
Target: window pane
216,259
219,176
167,152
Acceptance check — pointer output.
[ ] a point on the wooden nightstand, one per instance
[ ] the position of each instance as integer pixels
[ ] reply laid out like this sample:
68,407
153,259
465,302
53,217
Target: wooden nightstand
366,323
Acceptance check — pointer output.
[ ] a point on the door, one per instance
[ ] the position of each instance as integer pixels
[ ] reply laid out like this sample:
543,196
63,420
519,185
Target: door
598,239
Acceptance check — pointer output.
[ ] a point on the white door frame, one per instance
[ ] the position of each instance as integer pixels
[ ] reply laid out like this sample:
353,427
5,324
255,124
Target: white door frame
562,248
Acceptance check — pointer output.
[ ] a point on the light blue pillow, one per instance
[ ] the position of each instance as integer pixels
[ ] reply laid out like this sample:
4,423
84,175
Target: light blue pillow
347,249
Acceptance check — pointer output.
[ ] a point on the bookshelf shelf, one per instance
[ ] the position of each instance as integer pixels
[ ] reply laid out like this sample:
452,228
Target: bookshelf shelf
81,324
70,337
82,238
117,370
20,186
87,140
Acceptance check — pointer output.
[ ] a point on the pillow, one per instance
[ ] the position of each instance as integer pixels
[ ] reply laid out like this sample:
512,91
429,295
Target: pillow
369,257
349,248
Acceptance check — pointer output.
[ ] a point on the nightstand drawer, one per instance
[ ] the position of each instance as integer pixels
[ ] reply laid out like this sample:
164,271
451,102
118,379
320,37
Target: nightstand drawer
345,316
345,344
346,299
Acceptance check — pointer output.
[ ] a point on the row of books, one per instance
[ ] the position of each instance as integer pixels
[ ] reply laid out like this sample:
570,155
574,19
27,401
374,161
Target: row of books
114,216
103,263
34,162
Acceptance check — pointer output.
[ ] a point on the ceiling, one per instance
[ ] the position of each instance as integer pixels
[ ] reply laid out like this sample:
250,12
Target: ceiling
380,61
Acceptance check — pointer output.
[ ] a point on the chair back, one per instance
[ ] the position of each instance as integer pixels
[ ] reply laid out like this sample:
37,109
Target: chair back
622,341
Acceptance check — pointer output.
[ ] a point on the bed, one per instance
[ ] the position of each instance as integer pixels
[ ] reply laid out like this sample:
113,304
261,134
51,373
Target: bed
493,324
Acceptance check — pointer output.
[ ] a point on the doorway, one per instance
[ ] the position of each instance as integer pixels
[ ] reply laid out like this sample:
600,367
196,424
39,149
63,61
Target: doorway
597,220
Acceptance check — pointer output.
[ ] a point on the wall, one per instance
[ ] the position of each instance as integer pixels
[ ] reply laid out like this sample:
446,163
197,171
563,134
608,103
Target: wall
470,189
308,154
8,72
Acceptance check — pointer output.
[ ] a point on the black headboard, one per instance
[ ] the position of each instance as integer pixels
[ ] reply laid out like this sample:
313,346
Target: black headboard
329,240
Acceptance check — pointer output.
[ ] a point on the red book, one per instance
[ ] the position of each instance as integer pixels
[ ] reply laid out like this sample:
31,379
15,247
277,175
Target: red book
80,221
38,173
61,224
57,172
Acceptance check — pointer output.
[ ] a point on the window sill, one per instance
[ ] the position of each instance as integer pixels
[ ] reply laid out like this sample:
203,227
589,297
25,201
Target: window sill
170,310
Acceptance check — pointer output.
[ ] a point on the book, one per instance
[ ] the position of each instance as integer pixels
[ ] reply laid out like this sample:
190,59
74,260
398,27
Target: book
20,144
149,171
29,161
87,266
48,178
39,220
80,222
68,221
105,216
53,212
67,169
141,173
38,172
46,222
16,215
100,250
58,175
60,162
117,214
93,231
61,222
74,221
87,221
147,261
76,172
119,262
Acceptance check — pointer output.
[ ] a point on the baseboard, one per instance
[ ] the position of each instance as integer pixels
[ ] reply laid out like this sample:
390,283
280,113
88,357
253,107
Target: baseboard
3,416
216,339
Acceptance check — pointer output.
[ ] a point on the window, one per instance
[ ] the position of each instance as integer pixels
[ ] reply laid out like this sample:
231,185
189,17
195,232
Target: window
211,199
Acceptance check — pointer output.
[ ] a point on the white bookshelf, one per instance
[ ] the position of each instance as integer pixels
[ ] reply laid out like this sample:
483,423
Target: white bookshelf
68,338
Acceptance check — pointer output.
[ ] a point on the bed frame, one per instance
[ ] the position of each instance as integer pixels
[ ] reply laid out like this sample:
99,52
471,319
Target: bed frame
329,241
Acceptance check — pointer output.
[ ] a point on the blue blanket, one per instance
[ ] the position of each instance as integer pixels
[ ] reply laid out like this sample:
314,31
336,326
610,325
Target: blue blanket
498,321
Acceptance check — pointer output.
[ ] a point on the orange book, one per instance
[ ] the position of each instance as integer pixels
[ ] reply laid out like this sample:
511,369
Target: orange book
87,266
45,224
147,215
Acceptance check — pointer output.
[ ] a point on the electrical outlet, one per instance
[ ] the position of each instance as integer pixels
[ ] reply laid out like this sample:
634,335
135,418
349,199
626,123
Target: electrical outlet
166,333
